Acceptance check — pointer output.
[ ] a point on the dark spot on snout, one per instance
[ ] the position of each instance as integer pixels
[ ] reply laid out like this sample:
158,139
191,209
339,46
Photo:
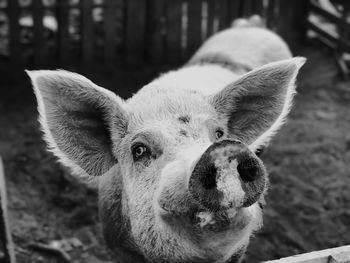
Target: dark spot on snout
184,119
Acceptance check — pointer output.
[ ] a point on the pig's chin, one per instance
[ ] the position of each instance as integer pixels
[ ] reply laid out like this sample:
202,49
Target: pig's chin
205,221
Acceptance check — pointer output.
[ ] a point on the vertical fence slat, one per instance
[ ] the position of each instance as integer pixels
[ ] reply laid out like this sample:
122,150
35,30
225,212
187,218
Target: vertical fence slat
155,30
194,33
135,31
247,8
63,33
38,11
110,33
270,13
87,37
258,7
211,17
234,9
223,14
15,44
291,20
173,32
5,233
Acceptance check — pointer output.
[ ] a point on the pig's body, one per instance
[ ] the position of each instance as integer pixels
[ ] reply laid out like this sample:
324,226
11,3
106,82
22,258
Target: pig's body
206,76
173,185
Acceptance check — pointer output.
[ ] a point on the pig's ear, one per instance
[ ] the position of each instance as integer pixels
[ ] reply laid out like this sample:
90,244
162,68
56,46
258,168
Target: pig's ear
257,104
78,118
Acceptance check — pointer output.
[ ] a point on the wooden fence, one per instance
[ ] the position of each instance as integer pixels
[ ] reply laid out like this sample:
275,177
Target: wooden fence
98,34
7,253
331,255
331,25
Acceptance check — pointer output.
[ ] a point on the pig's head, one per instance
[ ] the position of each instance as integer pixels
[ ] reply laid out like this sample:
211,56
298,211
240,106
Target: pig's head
179,179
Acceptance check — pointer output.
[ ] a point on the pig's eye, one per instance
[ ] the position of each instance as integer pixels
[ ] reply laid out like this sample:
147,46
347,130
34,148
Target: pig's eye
139,151
219,134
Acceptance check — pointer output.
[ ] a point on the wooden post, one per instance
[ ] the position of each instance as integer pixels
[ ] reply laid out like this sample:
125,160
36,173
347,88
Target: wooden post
63,37
271,14
331,255
194,33
258,7
5,235
15,44
173,31
87,39
247,8
155,28
38,12
135,32
110,33
291,21
212,14
223,15
234,7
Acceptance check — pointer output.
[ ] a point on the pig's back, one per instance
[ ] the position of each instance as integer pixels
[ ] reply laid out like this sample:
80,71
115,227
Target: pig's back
243,47
221,59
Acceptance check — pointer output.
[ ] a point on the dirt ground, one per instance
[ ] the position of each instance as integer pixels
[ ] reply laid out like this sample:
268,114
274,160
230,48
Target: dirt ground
308,205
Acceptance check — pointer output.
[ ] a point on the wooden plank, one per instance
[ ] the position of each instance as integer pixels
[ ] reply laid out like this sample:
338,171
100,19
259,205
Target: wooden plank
270,14
291,21
247,8
135,32
343,257
173,32
321,256
9,251
87,35
38,11
155,37
340,43
258,7
223,15
63,33
331,17
194,33
212,13
110,31
234,7
15,45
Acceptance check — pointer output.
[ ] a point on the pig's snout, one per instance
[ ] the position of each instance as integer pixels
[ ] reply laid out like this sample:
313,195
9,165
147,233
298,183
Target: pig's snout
228,175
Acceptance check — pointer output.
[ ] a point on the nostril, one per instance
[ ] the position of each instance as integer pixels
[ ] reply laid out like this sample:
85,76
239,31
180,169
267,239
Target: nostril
248,170
208,178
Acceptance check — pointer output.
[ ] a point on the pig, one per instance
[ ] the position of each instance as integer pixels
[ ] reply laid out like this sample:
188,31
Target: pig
178,175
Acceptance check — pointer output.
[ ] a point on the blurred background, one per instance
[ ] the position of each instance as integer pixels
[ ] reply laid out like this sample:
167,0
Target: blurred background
122,45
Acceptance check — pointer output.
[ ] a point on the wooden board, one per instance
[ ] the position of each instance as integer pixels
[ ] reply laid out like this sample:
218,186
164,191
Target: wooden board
15,45
110,32
155,36
247,8
223,15
332,255
63,34
194,33
9,254
38,10
173,31
135,32
87,35
234,7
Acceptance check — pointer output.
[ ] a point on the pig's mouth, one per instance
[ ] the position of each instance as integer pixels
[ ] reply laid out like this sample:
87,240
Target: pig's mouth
227,179
202,220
